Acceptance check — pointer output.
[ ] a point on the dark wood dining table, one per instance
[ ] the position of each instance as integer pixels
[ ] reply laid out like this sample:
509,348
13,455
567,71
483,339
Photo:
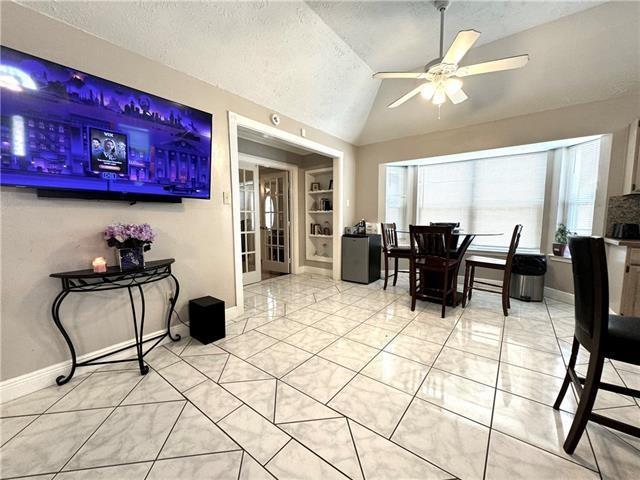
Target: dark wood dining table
434,280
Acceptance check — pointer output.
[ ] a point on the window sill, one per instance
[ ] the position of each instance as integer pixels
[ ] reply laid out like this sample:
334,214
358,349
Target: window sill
556,258
502,252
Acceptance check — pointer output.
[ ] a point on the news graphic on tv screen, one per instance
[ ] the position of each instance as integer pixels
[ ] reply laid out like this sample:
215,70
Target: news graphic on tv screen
64,129
109,152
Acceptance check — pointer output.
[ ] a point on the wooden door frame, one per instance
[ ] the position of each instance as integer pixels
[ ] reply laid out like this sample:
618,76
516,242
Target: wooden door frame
236,121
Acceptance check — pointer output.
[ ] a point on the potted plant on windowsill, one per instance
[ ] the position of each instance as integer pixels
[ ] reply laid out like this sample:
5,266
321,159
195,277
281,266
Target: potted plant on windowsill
130,241
561,240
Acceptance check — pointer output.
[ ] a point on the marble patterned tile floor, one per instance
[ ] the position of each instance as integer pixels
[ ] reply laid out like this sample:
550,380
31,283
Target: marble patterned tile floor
325,379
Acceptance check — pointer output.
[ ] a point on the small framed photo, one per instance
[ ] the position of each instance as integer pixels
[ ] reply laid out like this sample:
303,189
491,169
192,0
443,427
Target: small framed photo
331,184
315,186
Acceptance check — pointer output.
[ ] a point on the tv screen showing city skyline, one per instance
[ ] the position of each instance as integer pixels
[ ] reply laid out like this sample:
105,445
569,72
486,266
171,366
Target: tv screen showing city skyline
62,128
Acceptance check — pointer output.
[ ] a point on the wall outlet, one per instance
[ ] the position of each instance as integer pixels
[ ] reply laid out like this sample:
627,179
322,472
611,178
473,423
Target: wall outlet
226,198
303,133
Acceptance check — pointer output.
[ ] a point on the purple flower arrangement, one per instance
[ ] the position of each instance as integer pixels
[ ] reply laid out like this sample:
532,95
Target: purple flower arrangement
121,235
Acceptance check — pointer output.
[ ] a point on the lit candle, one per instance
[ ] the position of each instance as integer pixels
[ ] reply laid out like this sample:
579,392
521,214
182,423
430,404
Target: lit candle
99,265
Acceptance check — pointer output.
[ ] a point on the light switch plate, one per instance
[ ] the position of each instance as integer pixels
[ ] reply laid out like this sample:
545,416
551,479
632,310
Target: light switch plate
226,198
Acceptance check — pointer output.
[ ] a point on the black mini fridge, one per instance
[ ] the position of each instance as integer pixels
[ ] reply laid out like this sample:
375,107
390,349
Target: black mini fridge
361,258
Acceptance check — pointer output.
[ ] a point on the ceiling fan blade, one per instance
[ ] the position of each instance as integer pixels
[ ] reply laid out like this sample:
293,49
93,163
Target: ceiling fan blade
398,75
460,46
493,66
457,97
407,96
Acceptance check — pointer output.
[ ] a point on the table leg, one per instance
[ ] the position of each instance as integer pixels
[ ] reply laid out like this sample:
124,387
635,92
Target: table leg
462,250
171,308
55,313
144,369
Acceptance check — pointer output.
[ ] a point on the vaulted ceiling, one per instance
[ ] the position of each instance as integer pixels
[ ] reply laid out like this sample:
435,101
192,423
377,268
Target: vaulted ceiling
313,61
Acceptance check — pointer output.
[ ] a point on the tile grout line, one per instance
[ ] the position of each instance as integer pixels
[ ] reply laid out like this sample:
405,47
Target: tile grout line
427,375
493,405
113,409
355,447
241,464
165,440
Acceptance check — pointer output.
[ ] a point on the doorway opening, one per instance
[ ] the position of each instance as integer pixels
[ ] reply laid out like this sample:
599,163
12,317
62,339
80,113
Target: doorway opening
275,204
265,217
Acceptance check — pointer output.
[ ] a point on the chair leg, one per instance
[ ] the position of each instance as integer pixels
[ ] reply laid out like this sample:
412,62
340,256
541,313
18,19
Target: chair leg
454,291
505,301
473,274
445,291
412,286
386,271
465,288
587,399
395,275
567,378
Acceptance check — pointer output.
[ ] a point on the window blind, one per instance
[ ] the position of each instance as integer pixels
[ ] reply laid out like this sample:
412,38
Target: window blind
396,197
486,195
580,172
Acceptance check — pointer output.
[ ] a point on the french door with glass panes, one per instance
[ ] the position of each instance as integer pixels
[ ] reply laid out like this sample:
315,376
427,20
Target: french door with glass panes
249,223
274,191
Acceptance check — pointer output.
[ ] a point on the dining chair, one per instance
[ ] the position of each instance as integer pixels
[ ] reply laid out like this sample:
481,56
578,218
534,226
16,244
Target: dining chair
454,238
604,336
475,261
430,254
391,249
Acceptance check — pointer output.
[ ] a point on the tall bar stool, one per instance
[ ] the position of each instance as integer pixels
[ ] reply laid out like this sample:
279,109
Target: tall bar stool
391,249
431,255
474,261
604,336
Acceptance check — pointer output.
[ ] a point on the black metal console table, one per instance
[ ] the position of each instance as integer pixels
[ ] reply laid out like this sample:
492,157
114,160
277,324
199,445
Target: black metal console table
113,279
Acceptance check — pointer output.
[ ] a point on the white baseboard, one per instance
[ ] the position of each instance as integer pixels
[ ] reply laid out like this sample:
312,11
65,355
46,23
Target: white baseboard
327,272
232,312
45,377
558,295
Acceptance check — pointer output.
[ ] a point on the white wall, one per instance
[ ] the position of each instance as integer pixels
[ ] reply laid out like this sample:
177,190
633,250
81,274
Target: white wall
41,236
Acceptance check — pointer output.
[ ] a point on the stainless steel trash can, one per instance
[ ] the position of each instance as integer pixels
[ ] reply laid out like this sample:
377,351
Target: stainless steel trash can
527,277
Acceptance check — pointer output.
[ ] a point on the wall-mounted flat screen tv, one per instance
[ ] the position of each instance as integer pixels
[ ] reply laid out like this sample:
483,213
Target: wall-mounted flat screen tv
65,131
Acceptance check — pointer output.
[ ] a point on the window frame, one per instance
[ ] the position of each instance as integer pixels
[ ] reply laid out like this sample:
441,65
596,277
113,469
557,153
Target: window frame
551,214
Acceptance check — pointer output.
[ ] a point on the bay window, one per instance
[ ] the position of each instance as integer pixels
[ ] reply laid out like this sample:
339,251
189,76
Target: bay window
492,191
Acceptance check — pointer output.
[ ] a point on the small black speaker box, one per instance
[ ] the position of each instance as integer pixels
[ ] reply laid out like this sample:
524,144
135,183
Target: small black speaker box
206,319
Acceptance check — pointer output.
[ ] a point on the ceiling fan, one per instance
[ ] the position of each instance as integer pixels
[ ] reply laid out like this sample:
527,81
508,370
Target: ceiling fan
443,74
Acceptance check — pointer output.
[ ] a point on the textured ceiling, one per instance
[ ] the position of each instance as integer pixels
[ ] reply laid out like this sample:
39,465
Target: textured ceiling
588,57
402,35
278,54
313,61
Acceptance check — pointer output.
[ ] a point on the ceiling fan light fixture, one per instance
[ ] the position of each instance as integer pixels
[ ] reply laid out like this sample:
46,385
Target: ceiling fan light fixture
427,91
443,74
439,97
453,85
